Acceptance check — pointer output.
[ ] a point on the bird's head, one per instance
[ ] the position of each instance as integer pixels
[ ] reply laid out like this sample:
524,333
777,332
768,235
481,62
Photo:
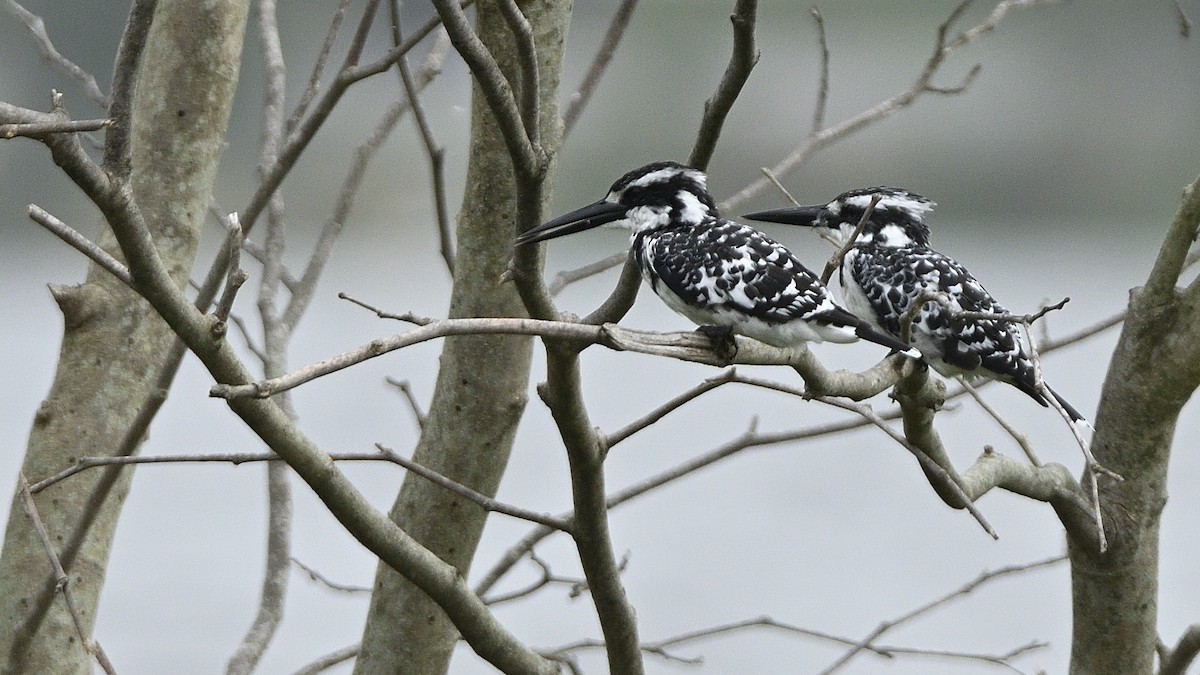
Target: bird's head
645,199
898,218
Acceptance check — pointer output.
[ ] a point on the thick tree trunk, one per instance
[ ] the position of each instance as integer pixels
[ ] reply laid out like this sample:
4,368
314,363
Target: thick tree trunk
114,344
1155,369
481,387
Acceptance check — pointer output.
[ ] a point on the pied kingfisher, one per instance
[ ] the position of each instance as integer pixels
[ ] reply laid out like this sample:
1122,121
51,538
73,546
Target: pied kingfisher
724,276
891,265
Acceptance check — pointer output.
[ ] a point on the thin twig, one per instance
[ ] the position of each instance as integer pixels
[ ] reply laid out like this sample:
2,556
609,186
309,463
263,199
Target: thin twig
1092,468
661,648
298,141
984,577
407,317
527,57
487,503
546,578
927,463
314,80
237,276
774,180
497,91
330,660
822,103
1021,439
567,277
80,243
39,129
741,62
746,440
943,49
235,458
413,405
117,155
604,55
835,263
663,410
435,153
325,581
304,289
37,30
62,580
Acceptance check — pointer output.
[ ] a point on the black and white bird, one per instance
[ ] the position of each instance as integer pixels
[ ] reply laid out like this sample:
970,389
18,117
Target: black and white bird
724,276
890,266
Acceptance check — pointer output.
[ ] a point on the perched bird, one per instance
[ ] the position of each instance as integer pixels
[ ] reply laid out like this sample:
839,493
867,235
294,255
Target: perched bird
726,277
890,266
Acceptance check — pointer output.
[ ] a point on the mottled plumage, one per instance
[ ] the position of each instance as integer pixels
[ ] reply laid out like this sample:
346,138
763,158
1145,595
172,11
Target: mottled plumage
891,266
714,271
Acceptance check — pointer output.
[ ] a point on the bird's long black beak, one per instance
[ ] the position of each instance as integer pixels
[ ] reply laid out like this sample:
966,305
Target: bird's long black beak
592,215
807,216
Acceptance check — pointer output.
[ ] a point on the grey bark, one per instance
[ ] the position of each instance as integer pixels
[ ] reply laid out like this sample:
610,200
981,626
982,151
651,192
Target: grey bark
114,344
481,387
1155,369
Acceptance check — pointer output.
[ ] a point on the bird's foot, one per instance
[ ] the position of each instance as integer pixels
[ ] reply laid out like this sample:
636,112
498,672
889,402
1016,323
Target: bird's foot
723,341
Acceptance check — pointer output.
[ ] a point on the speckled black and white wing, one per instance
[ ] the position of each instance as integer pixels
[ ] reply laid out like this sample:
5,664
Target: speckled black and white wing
882,283
723,273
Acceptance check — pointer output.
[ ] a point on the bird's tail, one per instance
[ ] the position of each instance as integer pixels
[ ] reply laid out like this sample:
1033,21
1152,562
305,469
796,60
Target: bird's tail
862,330
1071,411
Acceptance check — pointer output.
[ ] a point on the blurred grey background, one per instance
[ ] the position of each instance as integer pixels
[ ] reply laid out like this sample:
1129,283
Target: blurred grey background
1056,175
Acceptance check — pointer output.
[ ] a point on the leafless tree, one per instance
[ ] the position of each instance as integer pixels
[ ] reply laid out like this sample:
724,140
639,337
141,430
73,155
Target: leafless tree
128,326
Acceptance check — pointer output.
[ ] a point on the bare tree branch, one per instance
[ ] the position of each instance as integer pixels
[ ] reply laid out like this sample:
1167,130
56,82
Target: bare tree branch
80,243
944,479
943,49
413,404
751,438
37,29
741,62
125,78
1021,439
62,580
546,578
299,139
1176,661
689,346
306,286
276,335
590,528
527,52
435,153
620,301
236,276
567,277
983,578
330,660
835,263
325,581
487,503
661,648
604,54
314,80
822,104
39,129
527,158
663,410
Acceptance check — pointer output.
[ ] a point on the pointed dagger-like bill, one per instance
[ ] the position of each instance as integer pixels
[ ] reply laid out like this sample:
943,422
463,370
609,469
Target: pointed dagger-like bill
592,215
808,216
